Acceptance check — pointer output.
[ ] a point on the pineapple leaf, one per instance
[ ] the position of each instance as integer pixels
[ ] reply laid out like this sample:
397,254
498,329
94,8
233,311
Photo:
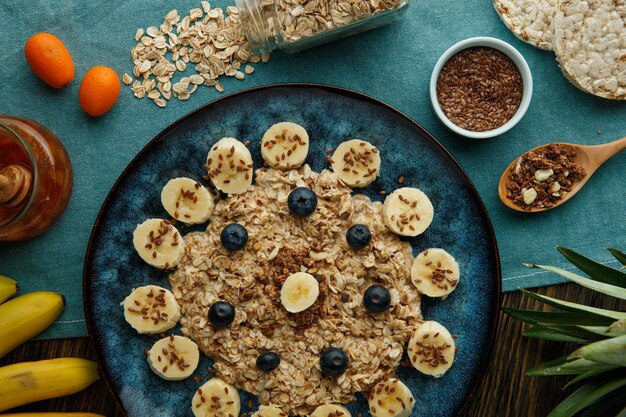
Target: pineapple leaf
608,289
569,306
565,366
547,367
619,255
609,351
595,270
586,395
567,318
569,406
546,333
573,331
617,328
586,375
584,365
609,405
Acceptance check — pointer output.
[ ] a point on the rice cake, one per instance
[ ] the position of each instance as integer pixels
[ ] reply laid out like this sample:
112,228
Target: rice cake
590,45
529,20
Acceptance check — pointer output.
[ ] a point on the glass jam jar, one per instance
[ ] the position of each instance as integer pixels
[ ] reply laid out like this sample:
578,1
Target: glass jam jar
35,178
292,27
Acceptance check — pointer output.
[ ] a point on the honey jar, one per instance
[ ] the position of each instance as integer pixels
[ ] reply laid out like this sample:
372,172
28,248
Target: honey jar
35,178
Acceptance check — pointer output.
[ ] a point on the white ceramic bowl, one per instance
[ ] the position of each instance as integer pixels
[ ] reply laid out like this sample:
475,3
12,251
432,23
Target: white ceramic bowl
509,51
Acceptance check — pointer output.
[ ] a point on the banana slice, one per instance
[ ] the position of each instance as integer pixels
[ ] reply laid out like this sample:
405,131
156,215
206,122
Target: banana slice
216,398
299,292
151,309
229,166
187,200
407,212
285,145
159,243
435,272
431,349
356,163
391,398
269,411
174,357
331,410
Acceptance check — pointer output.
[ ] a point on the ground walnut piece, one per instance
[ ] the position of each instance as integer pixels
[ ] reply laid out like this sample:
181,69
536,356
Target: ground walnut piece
523,177
280,244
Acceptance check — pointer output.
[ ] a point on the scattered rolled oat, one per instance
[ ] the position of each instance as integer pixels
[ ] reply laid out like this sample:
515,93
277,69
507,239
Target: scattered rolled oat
543,176
479,89
207,39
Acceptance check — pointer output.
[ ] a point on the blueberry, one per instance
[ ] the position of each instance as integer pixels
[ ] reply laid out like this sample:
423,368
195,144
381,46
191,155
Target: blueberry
358,236
376,299
221,314
302,201
234,236
334,362
267,361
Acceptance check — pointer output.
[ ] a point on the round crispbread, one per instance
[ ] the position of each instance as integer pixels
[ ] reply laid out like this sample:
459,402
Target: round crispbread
590,45
529,20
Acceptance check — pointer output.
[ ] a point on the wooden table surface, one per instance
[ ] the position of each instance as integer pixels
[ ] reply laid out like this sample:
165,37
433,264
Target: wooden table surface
503,392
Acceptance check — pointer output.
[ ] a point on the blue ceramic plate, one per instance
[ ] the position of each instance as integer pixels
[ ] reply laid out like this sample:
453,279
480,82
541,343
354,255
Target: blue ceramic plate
331,115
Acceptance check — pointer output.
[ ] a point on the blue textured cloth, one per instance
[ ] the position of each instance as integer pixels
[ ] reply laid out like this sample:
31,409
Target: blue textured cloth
392,64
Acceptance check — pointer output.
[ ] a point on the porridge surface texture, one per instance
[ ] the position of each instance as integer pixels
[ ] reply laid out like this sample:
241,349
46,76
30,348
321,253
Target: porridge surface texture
250,279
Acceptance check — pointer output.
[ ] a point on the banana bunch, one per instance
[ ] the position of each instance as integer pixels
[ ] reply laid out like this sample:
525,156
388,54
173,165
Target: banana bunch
27,382
8,288
21,319
25,317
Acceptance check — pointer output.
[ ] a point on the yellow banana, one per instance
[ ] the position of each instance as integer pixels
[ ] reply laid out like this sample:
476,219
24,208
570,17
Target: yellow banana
8,288
77,414
26,316
27,382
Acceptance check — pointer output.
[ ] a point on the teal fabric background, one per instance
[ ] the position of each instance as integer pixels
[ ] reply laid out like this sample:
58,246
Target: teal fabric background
392,64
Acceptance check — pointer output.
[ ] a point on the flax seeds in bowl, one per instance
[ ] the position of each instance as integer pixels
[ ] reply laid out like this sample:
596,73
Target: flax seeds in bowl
481,87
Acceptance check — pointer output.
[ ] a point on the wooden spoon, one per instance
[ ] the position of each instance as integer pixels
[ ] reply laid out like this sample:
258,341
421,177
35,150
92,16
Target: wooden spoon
15,184
588,157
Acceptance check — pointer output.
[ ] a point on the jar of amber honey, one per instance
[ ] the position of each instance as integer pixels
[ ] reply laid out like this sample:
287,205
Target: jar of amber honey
35,179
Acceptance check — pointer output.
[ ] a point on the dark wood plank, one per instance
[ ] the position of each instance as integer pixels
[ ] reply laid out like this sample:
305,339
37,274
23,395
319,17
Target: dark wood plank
504,392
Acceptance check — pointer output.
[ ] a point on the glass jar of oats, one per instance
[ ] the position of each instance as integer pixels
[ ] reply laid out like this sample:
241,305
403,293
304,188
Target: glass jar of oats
294,25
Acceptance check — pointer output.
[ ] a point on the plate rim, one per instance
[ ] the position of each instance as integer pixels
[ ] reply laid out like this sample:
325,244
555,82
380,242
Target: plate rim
494,308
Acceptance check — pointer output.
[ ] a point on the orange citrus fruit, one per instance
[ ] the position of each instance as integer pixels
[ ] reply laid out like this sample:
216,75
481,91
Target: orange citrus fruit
99,90
49,59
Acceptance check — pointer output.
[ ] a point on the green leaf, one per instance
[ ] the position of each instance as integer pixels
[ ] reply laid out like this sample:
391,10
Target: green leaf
584,365
608,289
567,318
622,413
541,332
570,406
539,369
607,407
619,255
609,351
565,366
574,331
588,374
617,328
594,269
586,395
569,306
